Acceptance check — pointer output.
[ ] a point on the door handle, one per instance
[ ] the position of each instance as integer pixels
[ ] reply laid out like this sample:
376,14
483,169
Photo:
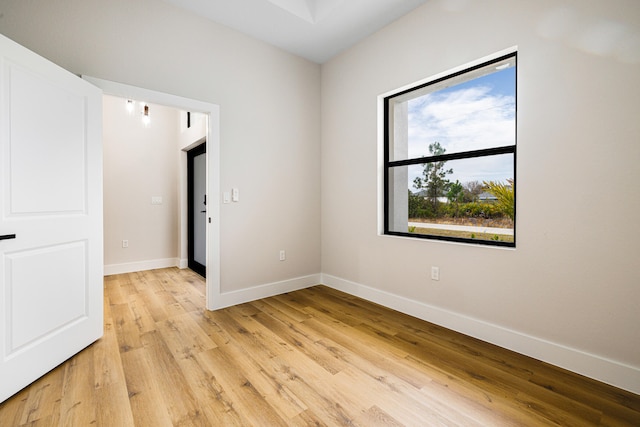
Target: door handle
7,236
203,211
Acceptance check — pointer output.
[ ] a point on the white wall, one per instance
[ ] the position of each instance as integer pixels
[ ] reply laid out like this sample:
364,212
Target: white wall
569,292
269,113
140,162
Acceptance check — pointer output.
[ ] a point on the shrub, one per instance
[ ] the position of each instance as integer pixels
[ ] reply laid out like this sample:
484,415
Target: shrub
505,196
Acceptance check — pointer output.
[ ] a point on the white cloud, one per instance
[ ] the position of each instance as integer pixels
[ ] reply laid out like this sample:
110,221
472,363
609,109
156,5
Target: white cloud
462,120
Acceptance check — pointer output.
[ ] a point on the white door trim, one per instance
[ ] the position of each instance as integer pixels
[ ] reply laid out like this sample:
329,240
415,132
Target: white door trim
213,164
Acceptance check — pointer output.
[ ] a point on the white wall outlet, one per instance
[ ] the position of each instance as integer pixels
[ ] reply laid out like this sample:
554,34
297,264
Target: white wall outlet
283,255
235,194
435,273
156,200
125,243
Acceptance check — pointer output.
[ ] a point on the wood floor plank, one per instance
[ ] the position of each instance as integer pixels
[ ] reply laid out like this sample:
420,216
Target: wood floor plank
279,303
401,401
274,391
251,342
251,405
114,294
307,418
78,397
113,407
293,335
155,304
130,284
360,347
108,365
311,384
375,416
271,312
316,356
472,404
44,398
490,377
216,405
351,308
212,323
12,409
183,336
236,332
179,397
127,329
145,396
141,315
499,405
585,390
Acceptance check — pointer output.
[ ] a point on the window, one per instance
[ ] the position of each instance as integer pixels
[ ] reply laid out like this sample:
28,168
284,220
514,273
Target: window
450,156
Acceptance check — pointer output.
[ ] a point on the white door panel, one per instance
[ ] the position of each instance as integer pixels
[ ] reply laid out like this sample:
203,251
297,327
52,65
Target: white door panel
51,199
66,279
60,182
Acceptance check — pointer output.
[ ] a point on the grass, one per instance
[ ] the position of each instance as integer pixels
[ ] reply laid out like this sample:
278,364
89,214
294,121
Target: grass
463,234
478,222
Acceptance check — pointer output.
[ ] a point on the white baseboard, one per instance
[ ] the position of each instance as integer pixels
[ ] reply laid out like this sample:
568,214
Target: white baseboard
227,299
184,263
608,371
131,267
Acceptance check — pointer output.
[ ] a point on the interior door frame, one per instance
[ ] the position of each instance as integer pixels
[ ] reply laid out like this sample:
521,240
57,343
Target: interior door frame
191,155
213,170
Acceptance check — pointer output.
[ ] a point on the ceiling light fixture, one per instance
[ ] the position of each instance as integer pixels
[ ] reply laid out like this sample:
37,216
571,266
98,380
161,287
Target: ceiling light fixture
145,116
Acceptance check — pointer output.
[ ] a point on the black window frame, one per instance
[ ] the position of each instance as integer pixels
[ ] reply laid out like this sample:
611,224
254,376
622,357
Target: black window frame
388,165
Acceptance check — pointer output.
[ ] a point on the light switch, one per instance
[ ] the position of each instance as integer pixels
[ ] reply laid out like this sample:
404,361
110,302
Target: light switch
226,197
156,200
235,194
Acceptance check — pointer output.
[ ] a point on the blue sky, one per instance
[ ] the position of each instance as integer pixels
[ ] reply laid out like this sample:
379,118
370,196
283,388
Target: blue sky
476,114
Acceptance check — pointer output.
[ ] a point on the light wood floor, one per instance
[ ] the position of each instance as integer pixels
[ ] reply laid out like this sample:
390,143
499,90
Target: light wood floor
310,357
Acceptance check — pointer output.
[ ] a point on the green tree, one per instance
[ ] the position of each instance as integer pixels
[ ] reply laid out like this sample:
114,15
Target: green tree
472,190
418,207
414,205
434,177
455,194
505,195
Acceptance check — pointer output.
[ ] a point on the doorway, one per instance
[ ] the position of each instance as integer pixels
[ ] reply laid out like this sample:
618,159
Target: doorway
197,208
212,112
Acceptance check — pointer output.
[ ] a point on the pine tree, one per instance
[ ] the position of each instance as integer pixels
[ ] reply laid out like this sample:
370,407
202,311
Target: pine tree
434,177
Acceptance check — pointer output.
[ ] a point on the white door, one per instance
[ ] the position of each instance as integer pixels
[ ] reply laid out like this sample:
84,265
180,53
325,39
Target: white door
51,200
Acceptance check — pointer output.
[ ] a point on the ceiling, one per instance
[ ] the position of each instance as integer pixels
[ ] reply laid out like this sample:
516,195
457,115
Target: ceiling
313,29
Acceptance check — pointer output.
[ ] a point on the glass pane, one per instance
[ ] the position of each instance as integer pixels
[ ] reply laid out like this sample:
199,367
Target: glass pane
474,111
469,198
